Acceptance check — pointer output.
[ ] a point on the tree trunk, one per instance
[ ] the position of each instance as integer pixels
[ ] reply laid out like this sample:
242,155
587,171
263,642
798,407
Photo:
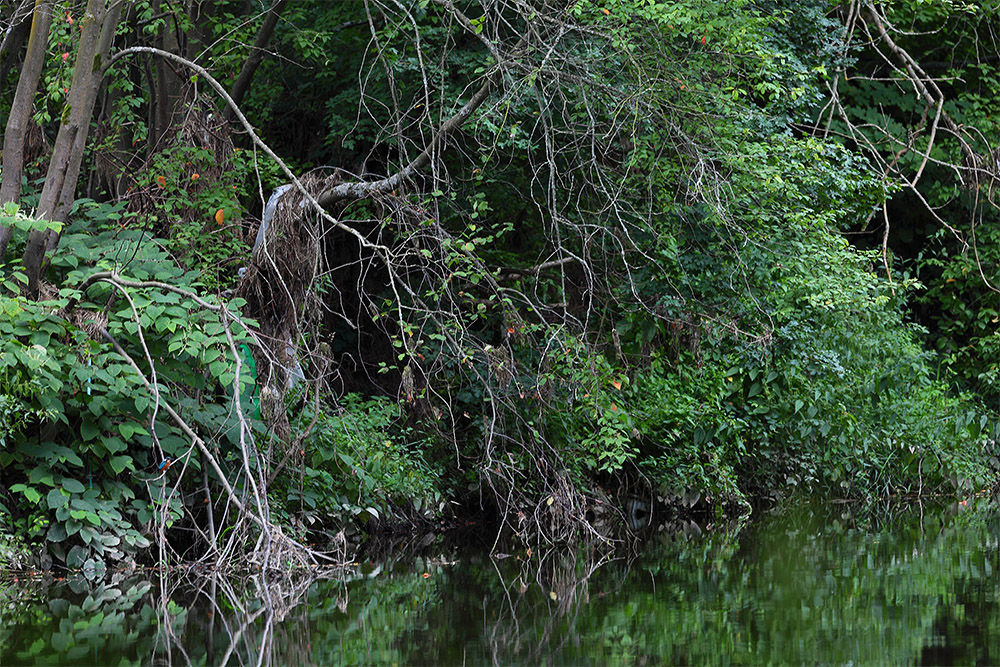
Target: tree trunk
64,167
20,112
68,194
13,37
256,56
167,97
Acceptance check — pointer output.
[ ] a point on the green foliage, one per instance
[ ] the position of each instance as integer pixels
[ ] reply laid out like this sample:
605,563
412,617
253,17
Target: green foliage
764,350
628,263
688,440
82,621
966,311
58,72
942,231
76,457
198,206
13,217
847,398
361,461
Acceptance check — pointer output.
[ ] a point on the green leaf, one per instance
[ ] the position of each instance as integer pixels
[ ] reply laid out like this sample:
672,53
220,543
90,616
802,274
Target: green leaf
56,498
57,533
219,367
120,463
113,444
60,641
73,486
76,557
89,429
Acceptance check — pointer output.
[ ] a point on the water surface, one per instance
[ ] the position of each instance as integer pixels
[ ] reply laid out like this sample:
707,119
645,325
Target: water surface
803,583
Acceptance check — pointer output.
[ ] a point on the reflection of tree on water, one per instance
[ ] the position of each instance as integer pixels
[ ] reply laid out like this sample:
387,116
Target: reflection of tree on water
261,619
249,609
564,577
548,606
833,583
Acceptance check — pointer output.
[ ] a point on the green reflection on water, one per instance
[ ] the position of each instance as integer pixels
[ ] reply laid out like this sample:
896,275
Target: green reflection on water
809,583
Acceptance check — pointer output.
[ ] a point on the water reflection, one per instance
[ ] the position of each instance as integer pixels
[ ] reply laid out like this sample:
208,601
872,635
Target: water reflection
807,583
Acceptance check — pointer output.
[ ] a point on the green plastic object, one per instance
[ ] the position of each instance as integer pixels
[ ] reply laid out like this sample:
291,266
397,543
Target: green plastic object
253,396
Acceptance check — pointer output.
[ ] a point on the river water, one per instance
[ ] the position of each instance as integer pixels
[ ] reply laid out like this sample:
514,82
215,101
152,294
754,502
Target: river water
806,582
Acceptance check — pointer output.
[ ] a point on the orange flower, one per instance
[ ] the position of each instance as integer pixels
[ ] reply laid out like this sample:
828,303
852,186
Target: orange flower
161,181
605,12
616,384
195,177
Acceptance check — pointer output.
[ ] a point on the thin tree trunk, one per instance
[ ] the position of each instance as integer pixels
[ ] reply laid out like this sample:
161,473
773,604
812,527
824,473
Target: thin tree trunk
13,17
20,112
68,194
13,37
169,86
64,166
256,56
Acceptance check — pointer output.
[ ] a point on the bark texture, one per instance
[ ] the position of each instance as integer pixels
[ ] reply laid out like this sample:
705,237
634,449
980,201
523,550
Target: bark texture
20,113
98,24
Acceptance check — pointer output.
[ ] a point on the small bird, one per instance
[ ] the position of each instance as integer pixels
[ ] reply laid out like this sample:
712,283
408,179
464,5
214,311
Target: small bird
160,471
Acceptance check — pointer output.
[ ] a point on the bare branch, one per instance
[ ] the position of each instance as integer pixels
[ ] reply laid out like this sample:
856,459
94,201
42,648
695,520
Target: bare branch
387,185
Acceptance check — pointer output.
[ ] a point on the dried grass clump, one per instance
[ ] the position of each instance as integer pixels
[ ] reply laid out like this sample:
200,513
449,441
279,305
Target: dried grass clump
286,263
278,283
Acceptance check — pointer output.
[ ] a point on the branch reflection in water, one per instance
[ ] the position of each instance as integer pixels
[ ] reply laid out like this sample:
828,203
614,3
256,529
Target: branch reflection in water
806,582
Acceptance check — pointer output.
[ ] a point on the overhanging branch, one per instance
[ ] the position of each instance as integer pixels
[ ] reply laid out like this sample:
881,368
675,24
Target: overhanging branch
386,185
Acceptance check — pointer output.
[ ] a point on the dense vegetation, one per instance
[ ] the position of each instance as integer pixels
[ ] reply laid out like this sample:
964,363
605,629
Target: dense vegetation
526,258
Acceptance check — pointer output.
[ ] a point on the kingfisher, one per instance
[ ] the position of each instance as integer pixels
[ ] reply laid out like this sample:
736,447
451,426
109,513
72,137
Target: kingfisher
161,469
